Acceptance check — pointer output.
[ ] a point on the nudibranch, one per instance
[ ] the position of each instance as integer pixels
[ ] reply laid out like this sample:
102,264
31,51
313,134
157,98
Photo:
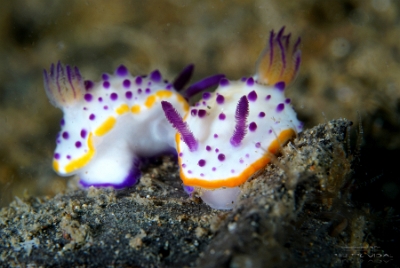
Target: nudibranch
232,133
109,126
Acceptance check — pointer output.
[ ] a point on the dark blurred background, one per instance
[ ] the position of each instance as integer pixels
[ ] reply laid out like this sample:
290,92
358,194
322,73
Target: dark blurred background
350,68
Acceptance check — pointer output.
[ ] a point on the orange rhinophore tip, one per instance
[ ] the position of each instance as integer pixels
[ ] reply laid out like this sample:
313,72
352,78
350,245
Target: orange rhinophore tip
279,62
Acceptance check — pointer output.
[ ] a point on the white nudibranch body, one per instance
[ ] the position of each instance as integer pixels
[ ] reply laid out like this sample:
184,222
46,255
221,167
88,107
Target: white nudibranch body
232,133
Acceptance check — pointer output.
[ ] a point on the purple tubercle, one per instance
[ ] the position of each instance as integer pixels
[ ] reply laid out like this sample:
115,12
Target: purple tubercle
220,99
92,117
261,114
206,95
106,84
287,101
221,157
105,77
114,96
252,126
126,83
242,112
280,107
121,71
65,135
155,76
128,95
222,116
250,81
83,133
224,82
138,80
280,85
183,78
62,122
78,144
193,112
208,148
57,156
252,96
177,122
88,97
202,113
202,162
203,84
88,84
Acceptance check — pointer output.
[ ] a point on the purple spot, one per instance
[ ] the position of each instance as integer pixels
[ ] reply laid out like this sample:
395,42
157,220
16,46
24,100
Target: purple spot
126,83
241,161
222,116
92,117
197,104
147,90
280,107
258,145
261,114
149,83
128,95
216,136
83,133
84,108
106,84
221,157
58,141
193,112
213,169
223,82
202,113
201,174
169,86
57,156
88,84
65,135
244,78
105,107
287,101
280,85
268,97
217,150
188,189
78,144
250,81
100,99
252,96
220,99
105,77
121,70
247,155
206,95
155,76
180,154
232,170
204,103
208,148
270,131
88,97
138,80
62,122
139,91
68,157
253,126
202,162
114,96
189,171
183,165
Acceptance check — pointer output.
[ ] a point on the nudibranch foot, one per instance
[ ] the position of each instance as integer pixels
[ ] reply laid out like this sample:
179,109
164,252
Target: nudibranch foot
222,198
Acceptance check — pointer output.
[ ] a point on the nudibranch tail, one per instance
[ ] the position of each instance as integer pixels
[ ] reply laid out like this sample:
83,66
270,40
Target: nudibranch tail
177,122
203,84
278,63
183,78
242,112
63,85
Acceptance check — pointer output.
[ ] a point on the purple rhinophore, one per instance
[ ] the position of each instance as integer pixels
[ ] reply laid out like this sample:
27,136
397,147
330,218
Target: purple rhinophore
100,99
147,90
224,82
128,95
280,85
57,156
138,80
214,169
202,162
155,76
92,117
222,116
88,84
268,97
202,113
62,122
193,112
287,101
105,77
252,126
242,112
78,144
280,107
220,99
83,133
261,114
126,83
203,84
208,148
184,77
105,107
258,145
177,122
114,96
206,95
106,84
252,96
88,97
65,135
221,157
188,189
250,81
121,70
